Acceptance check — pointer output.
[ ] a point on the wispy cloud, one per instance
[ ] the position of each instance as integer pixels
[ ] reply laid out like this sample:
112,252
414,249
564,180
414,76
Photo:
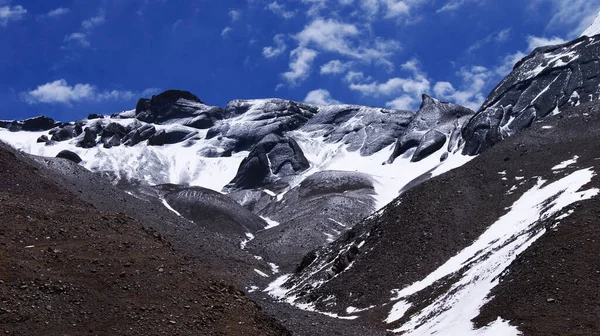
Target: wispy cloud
94,21
280,10
61,92
335,67
278,49
11,14
235,15
407,89
454,5
300,65
471,92
225,32
573,15
58,12
80,38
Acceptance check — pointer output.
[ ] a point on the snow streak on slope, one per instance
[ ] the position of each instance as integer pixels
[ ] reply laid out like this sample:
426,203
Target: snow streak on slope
477,268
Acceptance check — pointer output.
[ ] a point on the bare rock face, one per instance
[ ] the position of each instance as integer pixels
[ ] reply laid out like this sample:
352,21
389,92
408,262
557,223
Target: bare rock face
548,81
274,156
434,124
177,106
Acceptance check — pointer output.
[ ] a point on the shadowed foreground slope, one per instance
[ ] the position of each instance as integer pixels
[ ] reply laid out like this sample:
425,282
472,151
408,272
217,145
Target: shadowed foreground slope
69,269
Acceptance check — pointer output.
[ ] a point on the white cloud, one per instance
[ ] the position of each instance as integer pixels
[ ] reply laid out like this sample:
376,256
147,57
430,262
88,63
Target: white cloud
404,102
474,80
354,76
94,21
58,12
300,65
320,97
60,91
226,31
280,10
80,38
337,37
235,15
416,84
335,67
408,90
278,49
387,9
11,13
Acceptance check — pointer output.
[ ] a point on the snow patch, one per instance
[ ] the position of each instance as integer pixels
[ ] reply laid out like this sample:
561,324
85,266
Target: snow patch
566,163
270,223
249,237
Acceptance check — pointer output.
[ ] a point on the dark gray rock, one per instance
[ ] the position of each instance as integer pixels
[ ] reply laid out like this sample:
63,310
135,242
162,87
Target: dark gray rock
180,107
71,156
89,138
171,136
95,116
43,138
323,207
41,123
364,129
138,135
548,81
113,141
272,158
431,126
430,143
252,120
65,133
213,210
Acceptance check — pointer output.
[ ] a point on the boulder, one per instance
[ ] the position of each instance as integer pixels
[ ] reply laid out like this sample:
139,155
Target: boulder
89,138
71,156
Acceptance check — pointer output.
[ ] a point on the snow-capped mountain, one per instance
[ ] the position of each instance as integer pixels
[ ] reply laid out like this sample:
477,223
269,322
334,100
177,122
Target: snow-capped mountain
359,213
275,157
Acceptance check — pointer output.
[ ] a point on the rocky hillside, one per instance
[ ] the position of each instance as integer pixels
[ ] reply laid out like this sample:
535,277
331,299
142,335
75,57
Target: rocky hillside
68,268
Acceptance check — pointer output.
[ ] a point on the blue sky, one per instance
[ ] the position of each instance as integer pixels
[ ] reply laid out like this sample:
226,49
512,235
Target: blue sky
67,59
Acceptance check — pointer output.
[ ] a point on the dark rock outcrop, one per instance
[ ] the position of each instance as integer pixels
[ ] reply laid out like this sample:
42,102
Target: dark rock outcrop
273,157
67,154
364,129
548,81
260,118
36,124
212,209
435,122
182,106
323,207
95,116
65,133
89,138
